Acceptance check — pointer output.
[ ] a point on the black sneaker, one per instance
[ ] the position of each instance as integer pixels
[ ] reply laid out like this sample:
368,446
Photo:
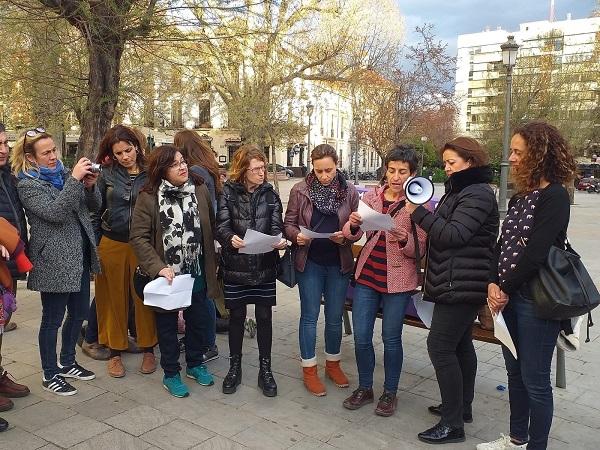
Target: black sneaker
211,354
76,371
58,385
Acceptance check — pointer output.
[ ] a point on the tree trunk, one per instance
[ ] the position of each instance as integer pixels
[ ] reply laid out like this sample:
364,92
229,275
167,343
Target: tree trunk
103,92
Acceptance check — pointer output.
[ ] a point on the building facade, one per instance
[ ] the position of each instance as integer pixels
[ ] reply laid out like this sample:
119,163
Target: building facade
556,76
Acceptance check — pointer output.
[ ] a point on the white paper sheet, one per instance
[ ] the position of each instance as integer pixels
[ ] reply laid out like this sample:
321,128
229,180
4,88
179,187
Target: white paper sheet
373,220
424,310
313,234
502,334
257,242
169,296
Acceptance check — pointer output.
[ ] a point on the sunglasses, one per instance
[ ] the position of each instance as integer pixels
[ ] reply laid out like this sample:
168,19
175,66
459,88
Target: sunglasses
35,131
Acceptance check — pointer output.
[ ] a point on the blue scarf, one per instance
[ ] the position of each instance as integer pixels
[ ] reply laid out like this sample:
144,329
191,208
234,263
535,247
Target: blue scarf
54,176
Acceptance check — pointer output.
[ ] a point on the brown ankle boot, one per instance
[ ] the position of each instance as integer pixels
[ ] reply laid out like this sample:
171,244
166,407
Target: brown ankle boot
312,381
334,372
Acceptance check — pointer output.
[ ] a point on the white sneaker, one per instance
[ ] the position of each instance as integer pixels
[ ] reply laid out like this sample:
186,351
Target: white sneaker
501,443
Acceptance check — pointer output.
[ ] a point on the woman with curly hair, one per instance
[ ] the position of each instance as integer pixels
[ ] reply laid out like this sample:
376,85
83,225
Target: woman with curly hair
538,217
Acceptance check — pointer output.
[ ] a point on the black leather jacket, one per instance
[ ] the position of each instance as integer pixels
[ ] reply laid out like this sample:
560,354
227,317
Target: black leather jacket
239,210
119,194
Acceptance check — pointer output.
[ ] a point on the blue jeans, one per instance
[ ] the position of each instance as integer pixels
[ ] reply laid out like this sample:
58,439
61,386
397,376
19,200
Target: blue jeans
529,387
54,305
315,282
365,306
208,319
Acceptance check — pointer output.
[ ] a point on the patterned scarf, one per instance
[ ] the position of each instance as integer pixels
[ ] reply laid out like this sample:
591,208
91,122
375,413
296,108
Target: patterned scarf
180,223
327,199
516,229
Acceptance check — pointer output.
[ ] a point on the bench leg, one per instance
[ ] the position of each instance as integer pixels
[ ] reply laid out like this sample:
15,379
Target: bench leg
347,324
561,376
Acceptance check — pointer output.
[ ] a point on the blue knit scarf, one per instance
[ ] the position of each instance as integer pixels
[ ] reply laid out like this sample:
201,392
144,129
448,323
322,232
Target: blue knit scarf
54,176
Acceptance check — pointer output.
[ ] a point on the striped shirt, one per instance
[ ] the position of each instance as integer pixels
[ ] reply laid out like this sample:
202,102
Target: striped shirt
374,272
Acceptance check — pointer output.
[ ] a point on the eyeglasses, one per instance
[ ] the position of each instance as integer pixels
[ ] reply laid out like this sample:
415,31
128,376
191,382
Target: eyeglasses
178,164
35,131
257,170
4,143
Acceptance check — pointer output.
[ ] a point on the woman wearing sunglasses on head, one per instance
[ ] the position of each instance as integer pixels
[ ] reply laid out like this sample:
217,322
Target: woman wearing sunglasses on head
62,248
249,202
122,178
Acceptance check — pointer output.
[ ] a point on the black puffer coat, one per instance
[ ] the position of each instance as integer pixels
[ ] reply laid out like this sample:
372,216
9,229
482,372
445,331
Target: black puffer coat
461,236
239,210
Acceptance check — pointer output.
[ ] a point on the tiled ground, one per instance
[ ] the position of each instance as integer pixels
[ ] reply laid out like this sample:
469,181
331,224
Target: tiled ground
137,413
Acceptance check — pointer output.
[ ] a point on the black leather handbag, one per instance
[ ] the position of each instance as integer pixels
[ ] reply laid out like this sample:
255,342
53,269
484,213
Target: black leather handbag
286,272
140,280
563,288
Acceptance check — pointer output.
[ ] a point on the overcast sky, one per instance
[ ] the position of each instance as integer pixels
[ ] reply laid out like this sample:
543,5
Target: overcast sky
452,18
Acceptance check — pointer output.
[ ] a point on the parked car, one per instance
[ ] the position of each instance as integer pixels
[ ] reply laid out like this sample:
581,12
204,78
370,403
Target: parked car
281,171
585,183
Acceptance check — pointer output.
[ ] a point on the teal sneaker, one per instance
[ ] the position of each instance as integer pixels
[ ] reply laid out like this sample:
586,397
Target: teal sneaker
200,374
175,386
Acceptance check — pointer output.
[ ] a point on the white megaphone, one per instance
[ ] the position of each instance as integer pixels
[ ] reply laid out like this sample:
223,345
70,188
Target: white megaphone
418,190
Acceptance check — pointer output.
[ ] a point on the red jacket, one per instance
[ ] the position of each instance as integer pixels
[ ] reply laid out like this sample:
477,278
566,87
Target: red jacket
401,267
299,212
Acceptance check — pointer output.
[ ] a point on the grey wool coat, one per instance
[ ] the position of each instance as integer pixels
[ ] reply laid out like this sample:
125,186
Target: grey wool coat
56,220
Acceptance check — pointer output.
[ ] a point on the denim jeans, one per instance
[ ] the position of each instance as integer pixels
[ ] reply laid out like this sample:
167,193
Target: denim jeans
529,387
315,282
208,320
365,306
166,327
54,305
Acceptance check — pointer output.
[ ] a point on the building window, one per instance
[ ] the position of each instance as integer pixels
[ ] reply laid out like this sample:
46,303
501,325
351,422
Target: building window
176,114
558,44
204,113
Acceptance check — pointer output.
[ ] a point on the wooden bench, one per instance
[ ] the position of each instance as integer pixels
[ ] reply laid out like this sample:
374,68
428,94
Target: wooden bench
479,334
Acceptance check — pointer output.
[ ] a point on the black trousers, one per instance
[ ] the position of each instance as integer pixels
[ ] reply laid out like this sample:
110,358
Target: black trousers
166,327
264,329
450,347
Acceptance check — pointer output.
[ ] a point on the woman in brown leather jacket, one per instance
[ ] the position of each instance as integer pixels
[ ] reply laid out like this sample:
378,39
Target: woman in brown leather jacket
321,203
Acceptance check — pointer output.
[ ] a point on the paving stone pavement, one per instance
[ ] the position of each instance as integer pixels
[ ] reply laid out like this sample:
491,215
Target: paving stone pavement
135,412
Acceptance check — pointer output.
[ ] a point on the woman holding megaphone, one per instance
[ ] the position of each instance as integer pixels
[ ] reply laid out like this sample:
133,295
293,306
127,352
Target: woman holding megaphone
386,276
461,235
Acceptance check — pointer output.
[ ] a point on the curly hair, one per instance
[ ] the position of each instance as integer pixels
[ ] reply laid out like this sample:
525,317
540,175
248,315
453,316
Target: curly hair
548,156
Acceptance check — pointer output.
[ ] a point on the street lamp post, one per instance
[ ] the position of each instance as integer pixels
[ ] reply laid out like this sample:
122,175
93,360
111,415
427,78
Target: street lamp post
309,110
423,142
357,119
509,59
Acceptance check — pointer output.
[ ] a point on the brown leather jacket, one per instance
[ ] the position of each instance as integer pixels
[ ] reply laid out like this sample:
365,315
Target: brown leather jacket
145,236
299,212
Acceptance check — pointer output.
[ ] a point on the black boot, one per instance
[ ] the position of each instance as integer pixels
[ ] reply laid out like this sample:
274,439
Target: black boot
3,424
265,377
234,377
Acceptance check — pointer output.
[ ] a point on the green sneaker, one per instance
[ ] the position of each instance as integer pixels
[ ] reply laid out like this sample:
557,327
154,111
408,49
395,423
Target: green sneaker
200,374
175,386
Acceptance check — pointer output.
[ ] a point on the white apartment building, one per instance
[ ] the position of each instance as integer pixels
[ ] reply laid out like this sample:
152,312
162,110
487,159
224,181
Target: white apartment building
479,64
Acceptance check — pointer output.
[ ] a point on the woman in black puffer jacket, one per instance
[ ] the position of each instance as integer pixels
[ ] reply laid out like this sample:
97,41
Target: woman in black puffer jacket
461,236
249,202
